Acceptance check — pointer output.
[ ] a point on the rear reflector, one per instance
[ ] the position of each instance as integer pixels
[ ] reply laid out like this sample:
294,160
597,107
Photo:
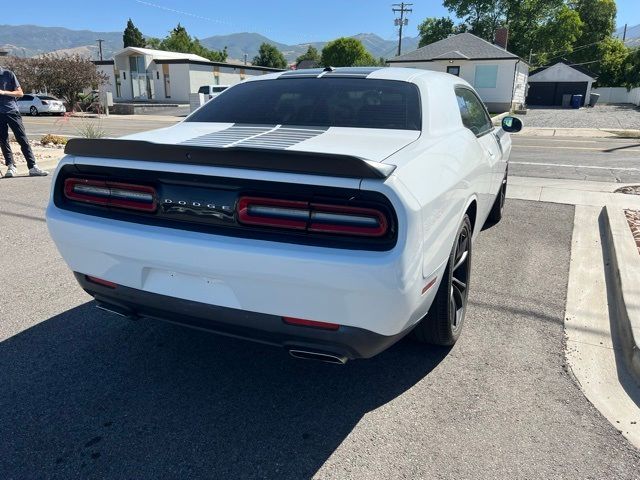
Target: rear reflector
312,217
111,194
300,322
99,281
426,288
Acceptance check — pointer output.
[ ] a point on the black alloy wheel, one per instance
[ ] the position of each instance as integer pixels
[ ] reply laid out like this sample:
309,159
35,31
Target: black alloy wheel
443,322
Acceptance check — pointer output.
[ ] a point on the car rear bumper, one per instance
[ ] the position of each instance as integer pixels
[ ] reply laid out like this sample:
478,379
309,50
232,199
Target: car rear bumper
380,292
345,342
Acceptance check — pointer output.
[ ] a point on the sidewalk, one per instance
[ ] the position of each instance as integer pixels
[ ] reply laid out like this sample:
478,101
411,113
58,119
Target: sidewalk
578,132
572,192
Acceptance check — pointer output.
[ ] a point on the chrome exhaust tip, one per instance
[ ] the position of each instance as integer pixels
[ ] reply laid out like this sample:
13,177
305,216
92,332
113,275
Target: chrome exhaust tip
117,311
321,357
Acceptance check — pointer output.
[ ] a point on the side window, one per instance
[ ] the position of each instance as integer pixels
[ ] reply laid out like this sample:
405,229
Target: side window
474,115
26,98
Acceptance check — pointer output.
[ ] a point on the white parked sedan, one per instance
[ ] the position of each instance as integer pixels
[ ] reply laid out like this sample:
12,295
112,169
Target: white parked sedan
331,211
37,104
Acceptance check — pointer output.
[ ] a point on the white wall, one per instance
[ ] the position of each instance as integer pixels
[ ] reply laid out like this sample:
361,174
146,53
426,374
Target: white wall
618,95
504,83
520,85
107,70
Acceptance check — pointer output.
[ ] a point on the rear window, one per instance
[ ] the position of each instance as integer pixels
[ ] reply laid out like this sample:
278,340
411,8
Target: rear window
46,97
331,102
218,89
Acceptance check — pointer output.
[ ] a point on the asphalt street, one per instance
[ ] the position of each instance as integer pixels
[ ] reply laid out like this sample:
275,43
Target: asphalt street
596,159
86,394
112,126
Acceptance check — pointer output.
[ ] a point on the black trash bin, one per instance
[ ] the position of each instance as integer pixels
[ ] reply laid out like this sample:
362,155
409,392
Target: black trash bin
593,99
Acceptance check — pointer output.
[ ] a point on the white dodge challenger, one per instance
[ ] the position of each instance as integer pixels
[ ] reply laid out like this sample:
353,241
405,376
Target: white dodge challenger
331,212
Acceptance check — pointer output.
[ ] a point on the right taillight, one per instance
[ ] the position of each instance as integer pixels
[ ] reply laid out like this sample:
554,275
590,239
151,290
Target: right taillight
312,217
111,194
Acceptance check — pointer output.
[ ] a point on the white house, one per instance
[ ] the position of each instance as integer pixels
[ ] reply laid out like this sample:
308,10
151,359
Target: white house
549,84
142,74
499,76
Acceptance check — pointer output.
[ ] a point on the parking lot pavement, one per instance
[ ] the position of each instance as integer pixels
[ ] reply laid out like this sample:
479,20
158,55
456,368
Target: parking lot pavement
605,116
86,394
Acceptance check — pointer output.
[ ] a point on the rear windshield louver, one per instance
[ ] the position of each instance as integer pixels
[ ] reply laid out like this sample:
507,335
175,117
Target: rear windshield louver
111,194
312,217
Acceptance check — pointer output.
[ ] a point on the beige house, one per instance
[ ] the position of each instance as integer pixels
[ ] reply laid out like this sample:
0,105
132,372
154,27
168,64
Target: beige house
142,74
499,76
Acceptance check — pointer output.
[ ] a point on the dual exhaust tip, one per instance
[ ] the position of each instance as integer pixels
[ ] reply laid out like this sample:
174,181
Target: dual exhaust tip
294,352
319,356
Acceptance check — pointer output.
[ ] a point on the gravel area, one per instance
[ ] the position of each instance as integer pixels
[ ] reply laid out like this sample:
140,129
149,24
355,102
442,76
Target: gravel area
630,190
601,116
633,217
42,153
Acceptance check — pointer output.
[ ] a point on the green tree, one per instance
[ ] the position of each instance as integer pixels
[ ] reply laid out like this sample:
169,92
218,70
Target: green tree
433,29
630,76
269,56
612,60
555,38
482,17
132,37
179,40
153,42
311,54
346,52
599,18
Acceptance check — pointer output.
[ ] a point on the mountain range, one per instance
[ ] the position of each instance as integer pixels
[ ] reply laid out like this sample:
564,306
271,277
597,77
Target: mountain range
31,40
632,38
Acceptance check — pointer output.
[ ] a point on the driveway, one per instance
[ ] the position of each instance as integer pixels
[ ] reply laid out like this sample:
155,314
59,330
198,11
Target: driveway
601,116
90,395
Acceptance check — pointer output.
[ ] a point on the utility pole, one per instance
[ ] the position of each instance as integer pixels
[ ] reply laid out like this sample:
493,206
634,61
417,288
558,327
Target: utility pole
624,34
100,46
401,22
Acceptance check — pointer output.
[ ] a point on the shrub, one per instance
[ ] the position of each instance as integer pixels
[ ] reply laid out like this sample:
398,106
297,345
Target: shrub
53,139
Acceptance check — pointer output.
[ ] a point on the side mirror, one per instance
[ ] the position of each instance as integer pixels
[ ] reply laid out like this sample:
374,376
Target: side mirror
511,124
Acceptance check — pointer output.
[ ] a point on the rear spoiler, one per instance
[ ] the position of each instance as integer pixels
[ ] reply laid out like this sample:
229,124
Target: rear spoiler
233,157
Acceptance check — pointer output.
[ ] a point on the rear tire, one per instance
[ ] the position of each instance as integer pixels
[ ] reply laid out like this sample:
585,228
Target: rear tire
33,111
443,322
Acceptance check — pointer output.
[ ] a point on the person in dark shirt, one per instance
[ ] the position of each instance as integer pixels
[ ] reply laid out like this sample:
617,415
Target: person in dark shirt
10,118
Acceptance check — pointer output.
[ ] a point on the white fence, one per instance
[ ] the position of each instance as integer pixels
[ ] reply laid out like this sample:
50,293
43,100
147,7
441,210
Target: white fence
618,95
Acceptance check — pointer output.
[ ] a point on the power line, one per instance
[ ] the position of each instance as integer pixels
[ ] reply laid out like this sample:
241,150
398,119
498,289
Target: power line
402,9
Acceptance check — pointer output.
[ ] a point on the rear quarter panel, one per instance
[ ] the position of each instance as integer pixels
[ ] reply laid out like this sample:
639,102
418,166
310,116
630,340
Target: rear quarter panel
445,170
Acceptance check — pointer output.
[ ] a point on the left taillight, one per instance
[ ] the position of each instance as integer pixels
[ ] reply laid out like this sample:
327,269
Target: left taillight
312,217
111,194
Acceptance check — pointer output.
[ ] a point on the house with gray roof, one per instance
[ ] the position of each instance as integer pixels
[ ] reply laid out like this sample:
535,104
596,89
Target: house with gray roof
499,76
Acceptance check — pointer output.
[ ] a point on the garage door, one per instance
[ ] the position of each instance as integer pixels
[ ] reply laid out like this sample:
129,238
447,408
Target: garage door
550,93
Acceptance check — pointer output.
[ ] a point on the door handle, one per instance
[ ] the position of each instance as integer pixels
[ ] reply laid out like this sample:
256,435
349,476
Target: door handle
491,154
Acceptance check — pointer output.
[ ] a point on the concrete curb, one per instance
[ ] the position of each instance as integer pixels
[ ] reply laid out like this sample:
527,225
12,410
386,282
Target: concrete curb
625,269
497,120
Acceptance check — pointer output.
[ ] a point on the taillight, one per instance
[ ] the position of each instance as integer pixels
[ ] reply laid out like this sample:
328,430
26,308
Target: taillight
111,194
273,212
345,220
312,217
44,102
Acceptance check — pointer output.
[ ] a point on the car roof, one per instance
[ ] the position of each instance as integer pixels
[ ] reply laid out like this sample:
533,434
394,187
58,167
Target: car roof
383,73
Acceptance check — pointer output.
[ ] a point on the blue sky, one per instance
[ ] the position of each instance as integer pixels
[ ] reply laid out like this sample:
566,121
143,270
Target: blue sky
286,21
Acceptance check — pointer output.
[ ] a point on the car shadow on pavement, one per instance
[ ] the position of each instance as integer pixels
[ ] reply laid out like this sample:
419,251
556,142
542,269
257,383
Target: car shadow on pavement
86,394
